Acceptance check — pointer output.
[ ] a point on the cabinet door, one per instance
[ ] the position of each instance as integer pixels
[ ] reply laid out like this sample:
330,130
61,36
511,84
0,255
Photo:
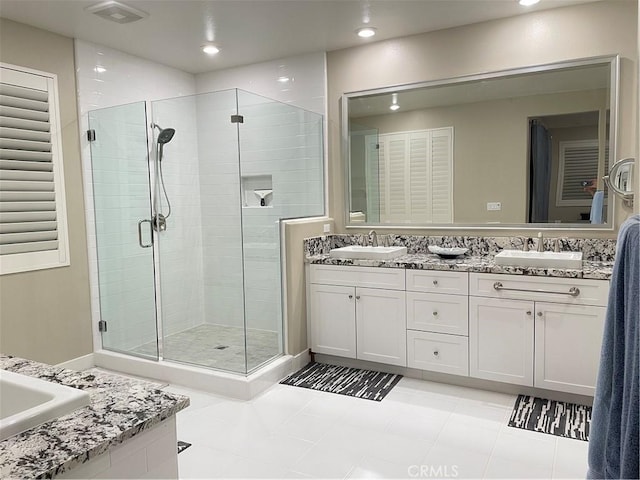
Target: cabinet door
501,340
333,324
381,326
568,341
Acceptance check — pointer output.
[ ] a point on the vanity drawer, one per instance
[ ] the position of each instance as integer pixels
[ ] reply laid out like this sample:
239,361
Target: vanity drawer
371,277
438,352
432,312
435,281
548,289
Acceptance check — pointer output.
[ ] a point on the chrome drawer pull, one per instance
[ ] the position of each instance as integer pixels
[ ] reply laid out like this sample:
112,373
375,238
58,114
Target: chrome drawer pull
573,291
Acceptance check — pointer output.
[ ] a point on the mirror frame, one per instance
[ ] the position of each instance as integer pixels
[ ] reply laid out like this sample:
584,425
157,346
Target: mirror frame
614,78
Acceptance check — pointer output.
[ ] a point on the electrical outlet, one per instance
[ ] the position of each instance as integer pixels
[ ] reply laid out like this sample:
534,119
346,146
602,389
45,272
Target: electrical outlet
494,206
326,228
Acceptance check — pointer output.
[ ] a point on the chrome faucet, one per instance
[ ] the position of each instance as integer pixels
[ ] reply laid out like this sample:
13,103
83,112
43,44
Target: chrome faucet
540,242
373,238
525,244
556,245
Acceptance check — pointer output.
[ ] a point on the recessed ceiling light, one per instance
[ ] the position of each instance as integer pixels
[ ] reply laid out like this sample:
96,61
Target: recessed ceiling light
99,69
210,49
283,79
394,107
366,32
527,3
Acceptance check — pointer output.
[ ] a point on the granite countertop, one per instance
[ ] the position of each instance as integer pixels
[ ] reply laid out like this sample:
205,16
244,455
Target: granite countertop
469,263
120,408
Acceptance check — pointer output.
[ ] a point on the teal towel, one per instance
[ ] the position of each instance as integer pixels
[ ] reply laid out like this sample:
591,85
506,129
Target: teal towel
613,436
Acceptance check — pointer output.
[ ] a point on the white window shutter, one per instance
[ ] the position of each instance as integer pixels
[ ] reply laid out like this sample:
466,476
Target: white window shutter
416,176
441,161
578,163
33,230
420,177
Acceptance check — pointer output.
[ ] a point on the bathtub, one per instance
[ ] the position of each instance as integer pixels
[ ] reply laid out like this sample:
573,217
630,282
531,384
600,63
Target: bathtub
26,402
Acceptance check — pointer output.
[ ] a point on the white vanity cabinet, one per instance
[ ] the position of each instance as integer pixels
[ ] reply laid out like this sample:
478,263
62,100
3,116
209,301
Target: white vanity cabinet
536,331
437,321
358,312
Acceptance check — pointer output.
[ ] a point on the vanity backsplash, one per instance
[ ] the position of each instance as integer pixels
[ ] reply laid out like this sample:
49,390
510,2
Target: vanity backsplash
593,249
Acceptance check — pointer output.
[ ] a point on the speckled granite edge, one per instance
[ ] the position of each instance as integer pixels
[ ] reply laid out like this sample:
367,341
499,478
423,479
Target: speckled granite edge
593,249
598,254
120,409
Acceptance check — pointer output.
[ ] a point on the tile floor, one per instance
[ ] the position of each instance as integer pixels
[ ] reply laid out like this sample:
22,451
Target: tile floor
420,430
218,346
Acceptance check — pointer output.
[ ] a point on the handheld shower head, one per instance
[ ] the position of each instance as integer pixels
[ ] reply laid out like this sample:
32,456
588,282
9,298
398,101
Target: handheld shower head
165,135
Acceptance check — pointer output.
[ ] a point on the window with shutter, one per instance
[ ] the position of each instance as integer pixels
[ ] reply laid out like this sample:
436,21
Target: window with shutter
416,176
578,163
33,229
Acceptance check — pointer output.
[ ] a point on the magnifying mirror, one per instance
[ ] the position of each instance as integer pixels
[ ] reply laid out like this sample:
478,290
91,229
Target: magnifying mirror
620,178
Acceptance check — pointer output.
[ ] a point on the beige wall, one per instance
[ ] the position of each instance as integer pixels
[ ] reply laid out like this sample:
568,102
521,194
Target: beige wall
45,315
601,28
295,232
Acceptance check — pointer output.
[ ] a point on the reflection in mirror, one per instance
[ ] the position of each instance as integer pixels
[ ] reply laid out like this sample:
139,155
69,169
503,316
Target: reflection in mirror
620,179
526,146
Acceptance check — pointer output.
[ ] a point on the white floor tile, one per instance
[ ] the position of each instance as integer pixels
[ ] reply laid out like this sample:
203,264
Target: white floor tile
371,467
460,461
421,429
522,454
570,459
327,462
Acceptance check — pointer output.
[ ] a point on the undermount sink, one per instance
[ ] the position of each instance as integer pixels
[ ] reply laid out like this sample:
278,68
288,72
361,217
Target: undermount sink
519,258
371,253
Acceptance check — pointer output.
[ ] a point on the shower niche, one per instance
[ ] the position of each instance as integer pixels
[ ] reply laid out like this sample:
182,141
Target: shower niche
257,191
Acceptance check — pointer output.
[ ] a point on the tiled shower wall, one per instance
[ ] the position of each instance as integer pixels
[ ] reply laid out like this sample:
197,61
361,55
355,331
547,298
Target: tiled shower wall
126,79
180,246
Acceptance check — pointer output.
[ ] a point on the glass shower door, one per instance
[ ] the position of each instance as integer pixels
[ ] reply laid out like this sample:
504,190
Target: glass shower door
122,207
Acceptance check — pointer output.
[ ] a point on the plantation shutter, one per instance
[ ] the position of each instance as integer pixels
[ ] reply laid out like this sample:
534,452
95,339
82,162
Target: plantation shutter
441,161
416,176
578,163
32,213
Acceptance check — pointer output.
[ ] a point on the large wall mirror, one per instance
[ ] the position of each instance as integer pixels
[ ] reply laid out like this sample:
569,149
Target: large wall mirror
516,148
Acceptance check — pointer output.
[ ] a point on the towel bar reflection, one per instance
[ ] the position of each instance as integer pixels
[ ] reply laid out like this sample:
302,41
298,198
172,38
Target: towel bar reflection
573,291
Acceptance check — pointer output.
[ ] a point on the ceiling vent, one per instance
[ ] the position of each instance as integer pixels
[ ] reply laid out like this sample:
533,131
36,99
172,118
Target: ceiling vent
117,12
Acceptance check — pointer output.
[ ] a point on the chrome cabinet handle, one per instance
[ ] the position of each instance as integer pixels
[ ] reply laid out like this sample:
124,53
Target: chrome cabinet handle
435,282
540,314
528,312
350,296
573,291
435,313
436,353
144,245
357,297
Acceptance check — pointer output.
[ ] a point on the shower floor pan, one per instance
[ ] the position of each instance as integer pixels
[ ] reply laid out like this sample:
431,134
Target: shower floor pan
217,346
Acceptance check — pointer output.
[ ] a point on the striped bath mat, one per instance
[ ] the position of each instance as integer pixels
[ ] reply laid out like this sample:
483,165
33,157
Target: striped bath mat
353,382
550,416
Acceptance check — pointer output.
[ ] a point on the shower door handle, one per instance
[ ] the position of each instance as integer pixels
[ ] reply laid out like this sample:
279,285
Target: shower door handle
144,245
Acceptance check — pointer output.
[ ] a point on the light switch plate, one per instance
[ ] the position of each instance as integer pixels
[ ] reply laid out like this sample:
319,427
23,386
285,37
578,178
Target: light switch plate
326,228
494,206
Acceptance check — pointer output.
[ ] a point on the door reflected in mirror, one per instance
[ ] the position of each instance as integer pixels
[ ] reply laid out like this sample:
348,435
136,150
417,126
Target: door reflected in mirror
513,148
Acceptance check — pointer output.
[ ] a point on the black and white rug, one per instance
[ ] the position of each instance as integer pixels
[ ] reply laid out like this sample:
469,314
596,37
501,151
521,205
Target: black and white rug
550,416
182,446
353,382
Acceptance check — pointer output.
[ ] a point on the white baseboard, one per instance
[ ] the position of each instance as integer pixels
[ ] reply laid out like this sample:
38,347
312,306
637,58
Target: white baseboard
300,360
80,363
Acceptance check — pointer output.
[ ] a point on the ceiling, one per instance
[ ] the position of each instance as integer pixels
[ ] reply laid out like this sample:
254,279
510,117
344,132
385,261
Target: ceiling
250,31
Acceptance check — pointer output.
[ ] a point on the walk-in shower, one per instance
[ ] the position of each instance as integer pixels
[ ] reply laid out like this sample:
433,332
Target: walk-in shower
206,289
